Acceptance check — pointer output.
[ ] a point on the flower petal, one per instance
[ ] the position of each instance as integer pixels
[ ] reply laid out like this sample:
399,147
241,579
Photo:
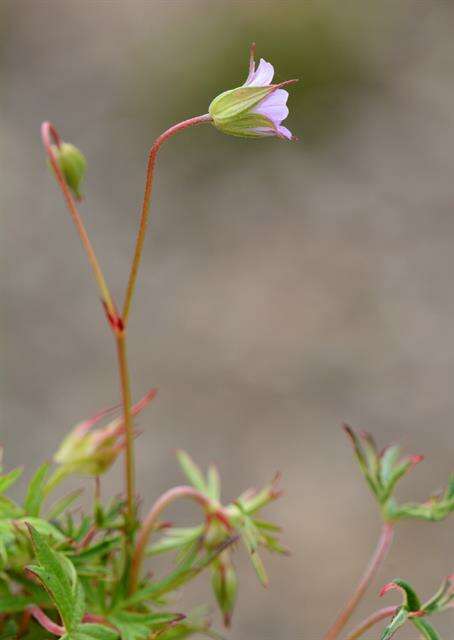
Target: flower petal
274,107
285,133
262,76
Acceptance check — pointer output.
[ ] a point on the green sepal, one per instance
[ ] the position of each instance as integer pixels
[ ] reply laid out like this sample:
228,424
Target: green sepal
230,104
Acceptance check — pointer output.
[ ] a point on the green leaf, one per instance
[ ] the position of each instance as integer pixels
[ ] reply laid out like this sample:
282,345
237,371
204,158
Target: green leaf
398,621
192,471
396,474
95,551
187,570
9,479
388,461
252,538
10,603
43,528
138,626
62,504
89,631
35,494
214,483
175,538
411,600
9,631
426,629
59,578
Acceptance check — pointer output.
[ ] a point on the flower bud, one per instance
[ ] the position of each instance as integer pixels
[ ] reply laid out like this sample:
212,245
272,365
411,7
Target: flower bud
91,451
72,164
256,109
225,585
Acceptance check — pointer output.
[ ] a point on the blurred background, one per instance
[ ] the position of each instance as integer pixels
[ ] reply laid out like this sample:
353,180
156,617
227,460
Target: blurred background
284,288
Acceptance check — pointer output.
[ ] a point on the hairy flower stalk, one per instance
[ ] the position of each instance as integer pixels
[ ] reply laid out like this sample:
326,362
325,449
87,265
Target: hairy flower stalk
144,214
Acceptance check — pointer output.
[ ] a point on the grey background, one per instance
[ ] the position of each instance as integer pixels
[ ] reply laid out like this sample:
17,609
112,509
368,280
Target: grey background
284,287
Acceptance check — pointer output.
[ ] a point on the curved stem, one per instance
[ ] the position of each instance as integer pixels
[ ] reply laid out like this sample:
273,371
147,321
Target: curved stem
146,204
49,134
46,622
129,428
151,521
372,620
380,553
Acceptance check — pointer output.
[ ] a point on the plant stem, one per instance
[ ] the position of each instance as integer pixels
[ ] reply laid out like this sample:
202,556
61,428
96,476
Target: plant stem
49,133
127,417
46,622
151,520
144,216
379,555
369,622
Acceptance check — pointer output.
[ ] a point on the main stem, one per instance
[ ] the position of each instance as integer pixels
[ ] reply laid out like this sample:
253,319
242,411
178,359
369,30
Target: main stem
120,337
379,555
144,216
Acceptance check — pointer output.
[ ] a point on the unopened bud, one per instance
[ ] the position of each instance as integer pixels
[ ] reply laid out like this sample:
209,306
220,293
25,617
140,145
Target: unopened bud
72,164
225,586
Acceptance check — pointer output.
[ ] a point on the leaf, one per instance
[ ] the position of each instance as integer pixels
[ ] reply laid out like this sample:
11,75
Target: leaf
192,471
9,631
59,578
62,504
137,626
411,600
9,479
398,621
175,538
43,528
186,571
10,603
35,494
252,538
388,461
90,631
426,629
214,483
95,551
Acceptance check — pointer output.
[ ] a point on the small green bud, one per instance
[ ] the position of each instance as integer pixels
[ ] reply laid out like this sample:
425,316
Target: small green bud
225,586
72,164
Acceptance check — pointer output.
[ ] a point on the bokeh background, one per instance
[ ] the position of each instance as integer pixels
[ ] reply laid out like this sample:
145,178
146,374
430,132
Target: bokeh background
284,288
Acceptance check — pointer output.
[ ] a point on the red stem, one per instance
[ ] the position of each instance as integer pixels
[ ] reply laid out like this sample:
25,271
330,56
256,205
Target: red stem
46,622
152,154
369,622
50,135
380,553
151,521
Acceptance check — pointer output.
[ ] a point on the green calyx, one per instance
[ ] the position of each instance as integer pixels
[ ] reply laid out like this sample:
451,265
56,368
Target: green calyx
232,111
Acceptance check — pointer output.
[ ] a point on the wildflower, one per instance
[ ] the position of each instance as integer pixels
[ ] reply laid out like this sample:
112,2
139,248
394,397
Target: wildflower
92,452
257,108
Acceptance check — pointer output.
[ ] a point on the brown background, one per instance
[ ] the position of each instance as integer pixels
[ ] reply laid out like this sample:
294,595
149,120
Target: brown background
284,288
